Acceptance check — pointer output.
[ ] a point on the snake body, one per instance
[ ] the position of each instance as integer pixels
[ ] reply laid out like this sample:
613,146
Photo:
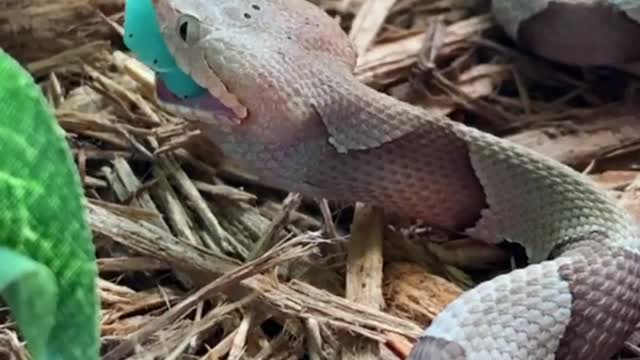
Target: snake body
283,99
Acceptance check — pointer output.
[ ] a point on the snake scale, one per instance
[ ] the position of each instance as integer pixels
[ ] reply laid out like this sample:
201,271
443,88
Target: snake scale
282,98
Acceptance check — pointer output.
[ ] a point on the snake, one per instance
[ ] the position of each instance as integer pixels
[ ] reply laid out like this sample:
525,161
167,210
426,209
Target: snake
281,97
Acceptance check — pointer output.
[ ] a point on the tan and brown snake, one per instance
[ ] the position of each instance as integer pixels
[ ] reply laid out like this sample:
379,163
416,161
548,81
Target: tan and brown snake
283,100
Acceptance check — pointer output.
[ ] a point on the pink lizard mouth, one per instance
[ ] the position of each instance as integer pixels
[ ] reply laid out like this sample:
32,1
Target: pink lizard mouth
201,108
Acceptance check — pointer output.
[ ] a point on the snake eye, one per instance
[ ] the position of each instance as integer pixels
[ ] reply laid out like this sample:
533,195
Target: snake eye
189,29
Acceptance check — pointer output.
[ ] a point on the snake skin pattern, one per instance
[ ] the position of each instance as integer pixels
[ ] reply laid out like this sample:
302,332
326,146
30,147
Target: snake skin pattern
584,32
312,127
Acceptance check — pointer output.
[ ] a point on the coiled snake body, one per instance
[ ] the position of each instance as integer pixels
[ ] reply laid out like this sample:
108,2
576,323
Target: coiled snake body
283,100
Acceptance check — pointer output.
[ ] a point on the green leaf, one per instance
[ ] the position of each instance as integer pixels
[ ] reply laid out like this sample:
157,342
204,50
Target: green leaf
43,218
30,290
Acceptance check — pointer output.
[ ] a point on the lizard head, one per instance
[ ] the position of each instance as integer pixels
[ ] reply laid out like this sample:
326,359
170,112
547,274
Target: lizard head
251,55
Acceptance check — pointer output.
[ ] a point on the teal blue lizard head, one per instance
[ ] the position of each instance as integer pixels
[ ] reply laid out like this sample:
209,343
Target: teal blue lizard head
143,37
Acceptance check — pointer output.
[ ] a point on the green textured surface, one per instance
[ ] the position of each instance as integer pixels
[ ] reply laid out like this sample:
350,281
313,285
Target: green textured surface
30,289
43,219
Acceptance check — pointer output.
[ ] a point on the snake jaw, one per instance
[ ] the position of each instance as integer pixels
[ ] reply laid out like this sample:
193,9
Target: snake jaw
219,90
218,101
205,108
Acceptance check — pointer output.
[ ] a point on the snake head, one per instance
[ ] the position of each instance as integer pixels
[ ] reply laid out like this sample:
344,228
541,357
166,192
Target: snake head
251,55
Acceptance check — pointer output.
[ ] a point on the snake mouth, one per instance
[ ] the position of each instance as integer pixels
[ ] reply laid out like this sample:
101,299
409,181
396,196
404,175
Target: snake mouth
205,107
217,102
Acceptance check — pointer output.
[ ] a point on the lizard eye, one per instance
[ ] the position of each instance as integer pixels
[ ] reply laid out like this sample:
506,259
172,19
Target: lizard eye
189,29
